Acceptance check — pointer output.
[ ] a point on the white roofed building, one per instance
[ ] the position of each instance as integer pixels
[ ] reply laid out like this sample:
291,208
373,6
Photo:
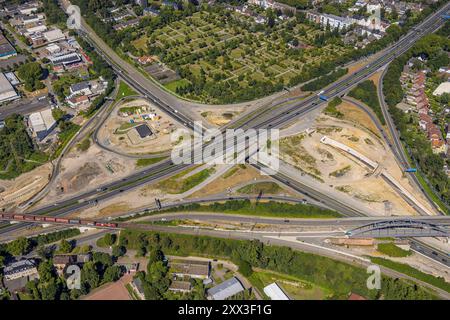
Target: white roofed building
274,292
442,88
226,289
54,35
42,123
7,91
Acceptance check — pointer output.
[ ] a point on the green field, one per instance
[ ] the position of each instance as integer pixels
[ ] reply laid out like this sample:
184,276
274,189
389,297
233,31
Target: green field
263,209
148,162
412,272
295,288
124,91
180,183
264,187
392,250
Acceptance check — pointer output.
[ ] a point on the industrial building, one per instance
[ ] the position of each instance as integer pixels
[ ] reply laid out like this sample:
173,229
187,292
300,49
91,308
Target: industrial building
42,123
54,35
274,292
7,91
6,49
226,289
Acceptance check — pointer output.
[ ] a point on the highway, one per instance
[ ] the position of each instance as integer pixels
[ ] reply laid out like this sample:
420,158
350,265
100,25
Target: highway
167,168
277,118
430,252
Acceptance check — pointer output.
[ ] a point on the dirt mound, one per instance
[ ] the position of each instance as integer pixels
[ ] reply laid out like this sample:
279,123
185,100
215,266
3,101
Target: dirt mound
87,173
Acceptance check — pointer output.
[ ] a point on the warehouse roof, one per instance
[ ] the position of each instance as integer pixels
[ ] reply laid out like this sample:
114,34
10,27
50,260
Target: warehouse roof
7,91
226,289
274,292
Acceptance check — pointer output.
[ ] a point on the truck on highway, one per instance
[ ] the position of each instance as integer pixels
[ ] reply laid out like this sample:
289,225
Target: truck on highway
411,170
323,97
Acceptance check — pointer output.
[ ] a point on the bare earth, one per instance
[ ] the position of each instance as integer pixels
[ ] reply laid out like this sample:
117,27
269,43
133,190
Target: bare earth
117,132
112,291
82,171
342,171
24,187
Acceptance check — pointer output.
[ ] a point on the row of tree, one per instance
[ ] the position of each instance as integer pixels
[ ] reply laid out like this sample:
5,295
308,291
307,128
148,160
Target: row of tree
340,278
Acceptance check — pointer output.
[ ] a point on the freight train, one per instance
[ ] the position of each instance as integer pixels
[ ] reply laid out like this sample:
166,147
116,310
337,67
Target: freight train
30,218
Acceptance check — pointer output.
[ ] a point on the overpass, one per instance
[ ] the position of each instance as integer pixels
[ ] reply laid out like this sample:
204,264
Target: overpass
399,228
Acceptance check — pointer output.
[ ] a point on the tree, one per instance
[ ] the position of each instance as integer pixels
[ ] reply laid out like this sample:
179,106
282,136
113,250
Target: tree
44,252
119,251
109,239
245,268
31,73
103,258
65,246
156,256
19,246
49,290
112,274
89,275
46,271
150,292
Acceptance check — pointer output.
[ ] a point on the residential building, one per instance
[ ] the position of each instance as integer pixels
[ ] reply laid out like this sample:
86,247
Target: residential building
274,292
27,20
126,24
28,8
334,22
62,261
7,91
81,88
225,290
78,101
20,269
180,286
42,123
191,268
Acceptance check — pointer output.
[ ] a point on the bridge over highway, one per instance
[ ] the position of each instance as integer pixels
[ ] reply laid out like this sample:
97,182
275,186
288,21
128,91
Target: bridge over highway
399,228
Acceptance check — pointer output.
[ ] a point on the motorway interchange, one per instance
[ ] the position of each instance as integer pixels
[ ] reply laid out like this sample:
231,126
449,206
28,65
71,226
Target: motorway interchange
273,116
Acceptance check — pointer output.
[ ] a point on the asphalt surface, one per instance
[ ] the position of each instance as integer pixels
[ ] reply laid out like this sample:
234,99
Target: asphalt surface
23,106
430,252
279,117
276,118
